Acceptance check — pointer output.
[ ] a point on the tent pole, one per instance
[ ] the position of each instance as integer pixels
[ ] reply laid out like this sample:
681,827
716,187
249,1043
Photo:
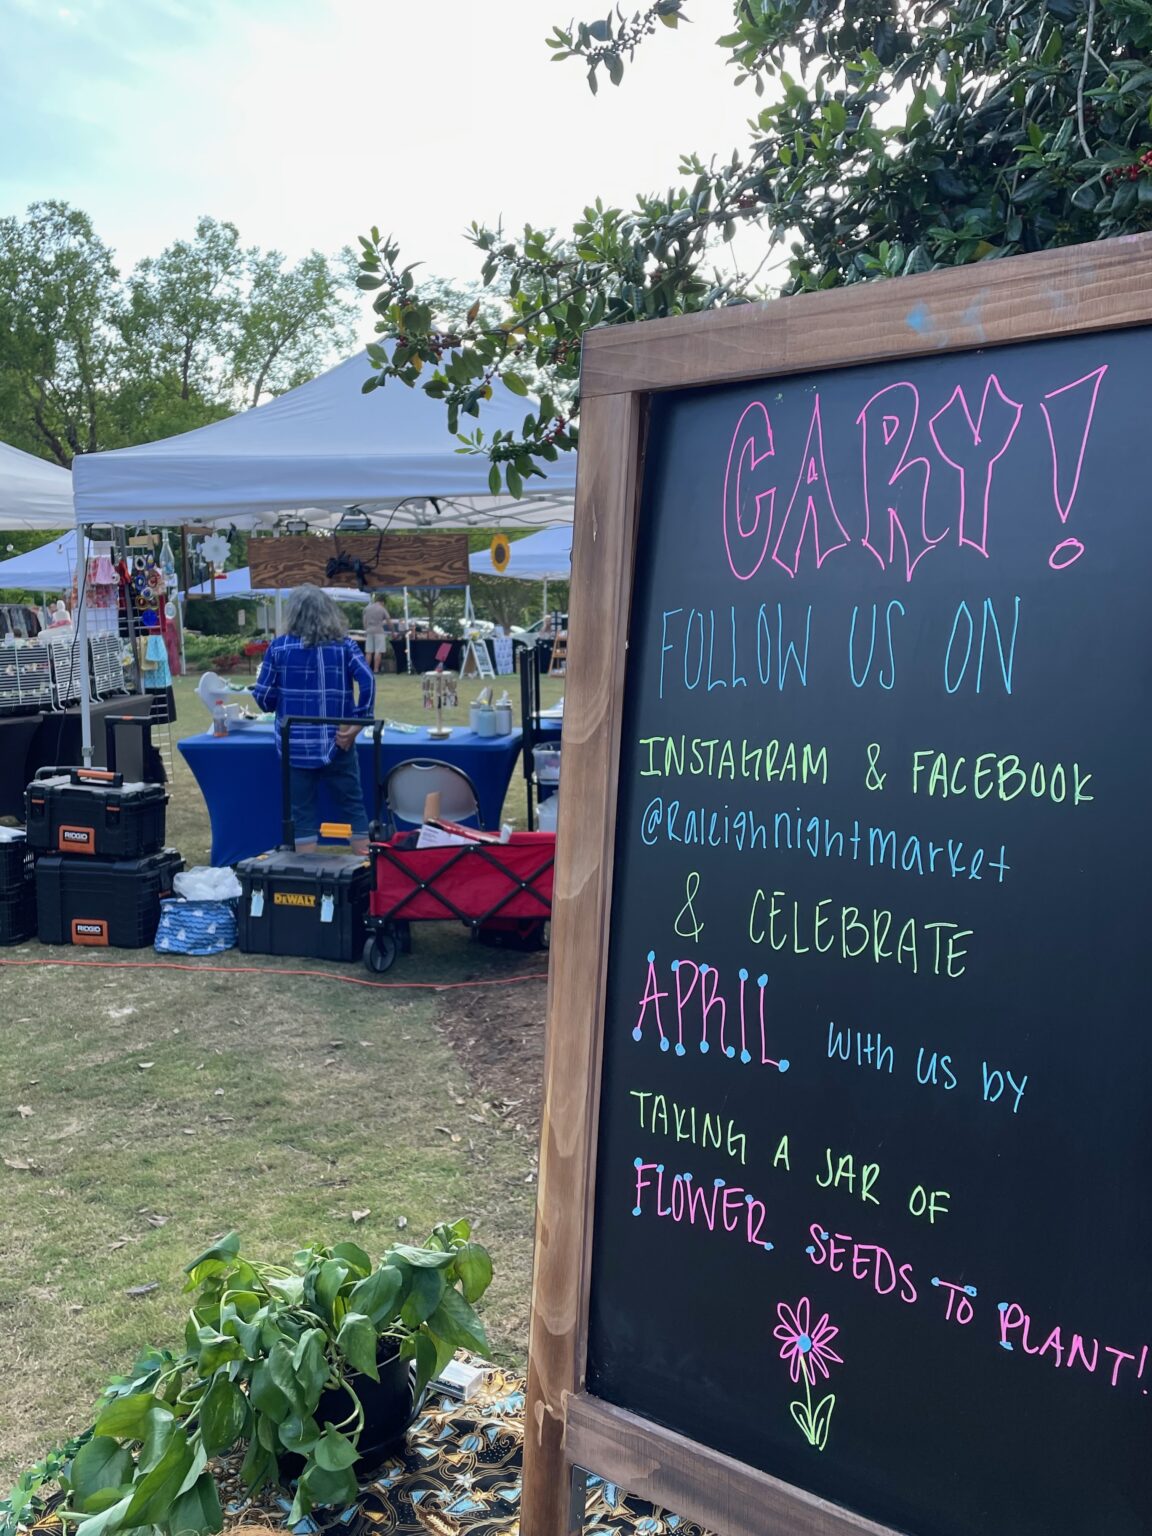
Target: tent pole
279,619
545,613
407,631
82,647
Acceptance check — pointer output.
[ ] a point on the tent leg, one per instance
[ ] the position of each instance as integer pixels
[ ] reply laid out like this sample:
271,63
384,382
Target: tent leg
544,615
407,631
82,647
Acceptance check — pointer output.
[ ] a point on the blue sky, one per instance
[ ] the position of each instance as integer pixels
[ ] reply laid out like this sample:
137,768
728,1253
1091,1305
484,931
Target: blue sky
307,121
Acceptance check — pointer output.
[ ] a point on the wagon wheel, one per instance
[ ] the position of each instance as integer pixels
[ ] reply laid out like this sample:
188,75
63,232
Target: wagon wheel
381,949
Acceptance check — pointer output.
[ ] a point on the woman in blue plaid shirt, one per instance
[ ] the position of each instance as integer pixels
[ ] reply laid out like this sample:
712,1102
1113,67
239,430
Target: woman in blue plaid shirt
313,669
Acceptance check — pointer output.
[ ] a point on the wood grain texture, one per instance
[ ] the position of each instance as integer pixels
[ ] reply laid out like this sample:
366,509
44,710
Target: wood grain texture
395,560
695,1482
1054,293
604,536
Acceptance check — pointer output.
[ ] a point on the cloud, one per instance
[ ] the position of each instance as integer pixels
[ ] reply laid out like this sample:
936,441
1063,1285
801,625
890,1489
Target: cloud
307,121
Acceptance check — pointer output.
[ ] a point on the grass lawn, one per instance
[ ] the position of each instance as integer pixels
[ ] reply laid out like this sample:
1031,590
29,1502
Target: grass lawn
143,1111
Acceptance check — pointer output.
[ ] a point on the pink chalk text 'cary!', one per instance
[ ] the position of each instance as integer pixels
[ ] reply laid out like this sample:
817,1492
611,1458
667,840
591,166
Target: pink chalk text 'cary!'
964,442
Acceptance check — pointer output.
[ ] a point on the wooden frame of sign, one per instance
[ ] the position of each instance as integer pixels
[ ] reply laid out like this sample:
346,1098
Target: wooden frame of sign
1101,287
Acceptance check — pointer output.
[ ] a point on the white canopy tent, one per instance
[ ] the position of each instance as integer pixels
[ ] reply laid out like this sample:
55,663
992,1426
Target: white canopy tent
322,448
49,567
33,493
238,583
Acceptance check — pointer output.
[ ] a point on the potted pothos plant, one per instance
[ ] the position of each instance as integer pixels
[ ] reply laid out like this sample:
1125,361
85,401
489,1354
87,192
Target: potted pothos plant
316,1369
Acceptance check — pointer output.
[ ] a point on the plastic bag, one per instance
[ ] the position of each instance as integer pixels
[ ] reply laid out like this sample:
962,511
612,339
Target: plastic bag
204,884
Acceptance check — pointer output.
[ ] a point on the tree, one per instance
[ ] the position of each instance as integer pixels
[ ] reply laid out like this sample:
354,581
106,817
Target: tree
291,320
895,136
183,308
58,295
88,361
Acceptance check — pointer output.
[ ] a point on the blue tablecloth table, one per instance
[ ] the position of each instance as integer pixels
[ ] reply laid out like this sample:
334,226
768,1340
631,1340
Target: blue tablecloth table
239,777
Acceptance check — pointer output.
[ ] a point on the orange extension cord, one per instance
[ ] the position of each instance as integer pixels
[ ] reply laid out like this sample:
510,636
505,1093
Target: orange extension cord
270,970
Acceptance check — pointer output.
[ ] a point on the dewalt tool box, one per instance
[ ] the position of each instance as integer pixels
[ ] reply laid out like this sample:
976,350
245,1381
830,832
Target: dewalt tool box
103,902
310,904
91,811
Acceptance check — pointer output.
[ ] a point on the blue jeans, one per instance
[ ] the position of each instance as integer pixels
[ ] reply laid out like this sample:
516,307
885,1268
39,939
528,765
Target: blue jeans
341,779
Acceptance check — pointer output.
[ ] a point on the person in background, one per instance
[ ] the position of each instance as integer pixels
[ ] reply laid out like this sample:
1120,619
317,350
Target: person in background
377,623
314,668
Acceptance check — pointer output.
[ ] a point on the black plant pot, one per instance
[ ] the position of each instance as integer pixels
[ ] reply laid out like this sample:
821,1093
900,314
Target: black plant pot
390,1407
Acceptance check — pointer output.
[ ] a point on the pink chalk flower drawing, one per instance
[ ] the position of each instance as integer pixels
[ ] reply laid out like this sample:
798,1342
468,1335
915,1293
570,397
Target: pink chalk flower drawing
808,1351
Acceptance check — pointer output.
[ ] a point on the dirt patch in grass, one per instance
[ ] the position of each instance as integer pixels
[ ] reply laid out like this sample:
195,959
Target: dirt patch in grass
498,1036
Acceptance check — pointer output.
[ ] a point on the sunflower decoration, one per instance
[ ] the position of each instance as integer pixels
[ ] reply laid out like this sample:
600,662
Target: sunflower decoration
501,552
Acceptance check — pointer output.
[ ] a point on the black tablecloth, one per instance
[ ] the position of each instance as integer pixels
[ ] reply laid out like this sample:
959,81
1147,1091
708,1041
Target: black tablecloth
17,733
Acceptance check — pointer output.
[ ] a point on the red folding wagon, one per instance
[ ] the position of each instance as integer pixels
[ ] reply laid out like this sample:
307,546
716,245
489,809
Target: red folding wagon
501,891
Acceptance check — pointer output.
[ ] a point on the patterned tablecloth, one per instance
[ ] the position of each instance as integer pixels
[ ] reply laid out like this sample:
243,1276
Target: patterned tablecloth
460,1476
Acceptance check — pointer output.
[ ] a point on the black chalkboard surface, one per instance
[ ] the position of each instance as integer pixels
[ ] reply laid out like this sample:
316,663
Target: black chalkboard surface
874,1130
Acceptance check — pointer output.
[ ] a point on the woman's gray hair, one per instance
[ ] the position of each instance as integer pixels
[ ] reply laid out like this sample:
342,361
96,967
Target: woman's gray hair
313,617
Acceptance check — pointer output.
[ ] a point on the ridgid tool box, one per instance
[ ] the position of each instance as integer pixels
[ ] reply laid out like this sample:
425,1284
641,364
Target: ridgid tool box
91,811
311,904
17,888
103,902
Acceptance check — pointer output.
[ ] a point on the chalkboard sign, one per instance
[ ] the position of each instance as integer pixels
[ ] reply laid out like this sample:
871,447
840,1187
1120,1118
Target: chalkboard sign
866,1097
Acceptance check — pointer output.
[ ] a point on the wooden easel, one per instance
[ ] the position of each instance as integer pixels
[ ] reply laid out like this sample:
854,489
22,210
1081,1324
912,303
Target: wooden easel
1054,294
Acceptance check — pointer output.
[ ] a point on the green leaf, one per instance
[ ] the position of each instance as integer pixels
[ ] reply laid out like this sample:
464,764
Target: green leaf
334,1451
357,1341
265,1395
155,1491
330,1488
332,1275
216,1349
455,1321
423,1258
127,1417
515,483
258,1466
98,1466
424,1296
494,479
158,1432
376,1296
223,1416
615,67
299,1433
197,1510
108,1520
515,383
354,1256
283,1373
224,1249
311,1366
425,1352
474,1266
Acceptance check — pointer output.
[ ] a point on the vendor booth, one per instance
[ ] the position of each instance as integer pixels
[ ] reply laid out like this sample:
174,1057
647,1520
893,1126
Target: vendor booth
239,778
327,449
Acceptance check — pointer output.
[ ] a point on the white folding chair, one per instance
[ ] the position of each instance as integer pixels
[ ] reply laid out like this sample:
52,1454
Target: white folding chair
409,784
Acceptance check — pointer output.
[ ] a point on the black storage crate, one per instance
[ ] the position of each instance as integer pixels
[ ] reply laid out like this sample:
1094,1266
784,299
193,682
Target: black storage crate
18,914
15,866
310,904
103,902
89,811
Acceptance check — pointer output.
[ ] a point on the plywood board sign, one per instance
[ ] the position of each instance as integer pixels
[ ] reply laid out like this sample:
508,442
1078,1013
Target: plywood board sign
385,560
846,1135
